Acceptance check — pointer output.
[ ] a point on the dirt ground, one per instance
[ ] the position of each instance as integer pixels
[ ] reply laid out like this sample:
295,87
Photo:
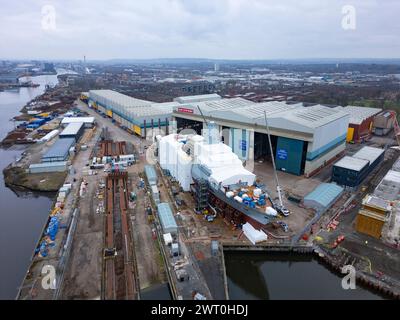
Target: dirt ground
83,276
47,181
291,184
149,261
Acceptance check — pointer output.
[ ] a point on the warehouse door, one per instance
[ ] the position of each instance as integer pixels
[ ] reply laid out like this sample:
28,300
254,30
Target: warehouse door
289,155
261,146
225,135
189,124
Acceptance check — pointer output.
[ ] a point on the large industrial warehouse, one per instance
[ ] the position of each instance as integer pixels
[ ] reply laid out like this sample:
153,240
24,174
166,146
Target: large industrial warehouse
304,139
145,118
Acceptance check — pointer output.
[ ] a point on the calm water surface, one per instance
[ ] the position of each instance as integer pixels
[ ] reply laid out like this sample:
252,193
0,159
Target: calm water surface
22,214
271,276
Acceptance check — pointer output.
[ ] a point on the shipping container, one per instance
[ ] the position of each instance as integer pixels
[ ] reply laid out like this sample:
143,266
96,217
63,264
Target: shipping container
155,194
151,174
167,219
373,155
60,166
350,171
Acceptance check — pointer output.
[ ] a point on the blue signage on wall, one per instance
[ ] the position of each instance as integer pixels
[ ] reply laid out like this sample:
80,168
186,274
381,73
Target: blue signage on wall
282,154
243,145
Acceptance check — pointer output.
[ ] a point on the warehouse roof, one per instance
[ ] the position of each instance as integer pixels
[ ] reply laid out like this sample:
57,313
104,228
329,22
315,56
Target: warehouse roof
359,114
376,202
114,97
392,176
325,194
315,116
60,148
198,98
48,164
166,216
396,165
351,163
129,107
72,128
280,114
150,173
256,110
67,120
369,153
150,110
211,107
389,187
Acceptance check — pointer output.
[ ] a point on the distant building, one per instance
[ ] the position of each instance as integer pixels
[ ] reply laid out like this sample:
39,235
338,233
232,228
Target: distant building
48,67
9,78
198,87
384,122
360,123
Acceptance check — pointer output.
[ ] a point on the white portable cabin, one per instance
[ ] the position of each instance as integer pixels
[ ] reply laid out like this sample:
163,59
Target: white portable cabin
130,158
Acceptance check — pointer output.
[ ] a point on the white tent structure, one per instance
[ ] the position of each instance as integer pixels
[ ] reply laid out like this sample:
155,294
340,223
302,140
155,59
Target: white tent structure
225,166
178,153
254,235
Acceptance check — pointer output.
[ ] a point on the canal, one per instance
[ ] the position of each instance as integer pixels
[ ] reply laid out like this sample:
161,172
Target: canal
22,214
286,276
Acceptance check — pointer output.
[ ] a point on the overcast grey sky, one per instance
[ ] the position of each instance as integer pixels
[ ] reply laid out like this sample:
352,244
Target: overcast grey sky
221,29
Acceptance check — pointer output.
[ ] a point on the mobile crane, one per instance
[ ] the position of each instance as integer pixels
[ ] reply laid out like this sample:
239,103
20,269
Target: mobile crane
280,208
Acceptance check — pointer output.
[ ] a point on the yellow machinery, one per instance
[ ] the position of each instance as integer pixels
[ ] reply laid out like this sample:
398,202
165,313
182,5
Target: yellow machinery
55,211
350,134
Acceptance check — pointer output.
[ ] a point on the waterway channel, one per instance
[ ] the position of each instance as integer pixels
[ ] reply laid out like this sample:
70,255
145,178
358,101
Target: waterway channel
287,276
22,214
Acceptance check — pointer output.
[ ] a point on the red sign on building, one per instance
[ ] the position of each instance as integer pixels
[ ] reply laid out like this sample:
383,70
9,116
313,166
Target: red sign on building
185,110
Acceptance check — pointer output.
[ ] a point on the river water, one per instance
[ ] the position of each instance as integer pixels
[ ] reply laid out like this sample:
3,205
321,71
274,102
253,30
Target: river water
22,214
285,276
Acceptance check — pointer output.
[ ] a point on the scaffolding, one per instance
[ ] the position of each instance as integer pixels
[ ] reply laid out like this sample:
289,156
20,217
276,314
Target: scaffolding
201,193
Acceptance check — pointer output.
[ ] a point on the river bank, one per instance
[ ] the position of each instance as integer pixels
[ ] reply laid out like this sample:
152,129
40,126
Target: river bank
23,213
17,177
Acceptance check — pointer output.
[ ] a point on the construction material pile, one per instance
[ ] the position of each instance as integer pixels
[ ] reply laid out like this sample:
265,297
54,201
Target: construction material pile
254,198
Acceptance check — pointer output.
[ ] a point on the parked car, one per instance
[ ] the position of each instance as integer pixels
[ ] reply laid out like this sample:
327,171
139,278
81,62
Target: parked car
282,210
284,225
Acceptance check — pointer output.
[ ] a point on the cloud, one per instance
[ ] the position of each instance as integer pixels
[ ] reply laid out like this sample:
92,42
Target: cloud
242,29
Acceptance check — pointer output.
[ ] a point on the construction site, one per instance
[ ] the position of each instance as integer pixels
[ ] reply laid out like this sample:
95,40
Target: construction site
134,215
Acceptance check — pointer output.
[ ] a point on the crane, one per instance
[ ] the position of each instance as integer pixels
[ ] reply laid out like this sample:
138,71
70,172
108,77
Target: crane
396,127
204,118
278,187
